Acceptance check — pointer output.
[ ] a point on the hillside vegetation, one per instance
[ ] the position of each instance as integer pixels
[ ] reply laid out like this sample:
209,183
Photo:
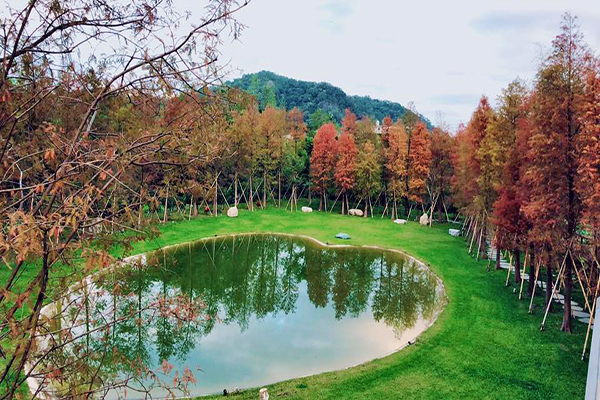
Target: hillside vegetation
316,98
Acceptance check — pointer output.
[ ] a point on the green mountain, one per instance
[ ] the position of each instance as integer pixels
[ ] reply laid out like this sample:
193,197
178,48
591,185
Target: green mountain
311,97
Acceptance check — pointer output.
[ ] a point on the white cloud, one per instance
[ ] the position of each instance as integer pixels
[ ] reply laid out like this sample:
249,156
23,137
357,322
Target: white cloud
441,55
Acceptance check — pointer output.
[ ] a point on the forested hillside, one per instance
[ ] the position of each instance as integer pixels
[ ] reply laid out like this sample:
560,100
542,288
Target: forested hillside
316,100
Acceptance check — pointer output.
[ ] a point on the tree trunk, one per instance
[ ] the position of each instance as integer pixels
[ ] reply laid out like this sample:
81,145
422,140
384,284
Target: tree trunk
141,210
482,242
279,190
439,208
394,211
366,210
517,257
251,206
406,208
320,201
215,202
566,323
235,196
549,285
343,201
264,202
532,281
498,258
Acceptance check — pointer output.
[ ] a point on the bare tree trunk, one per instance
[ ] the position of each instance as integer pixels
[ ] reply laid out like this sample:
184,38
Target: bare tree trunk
320,201
394,211
279,190
141,211
439,200
566,323
343,201
215,203
264,202
517,257
366,209
235,196
251,195
498,258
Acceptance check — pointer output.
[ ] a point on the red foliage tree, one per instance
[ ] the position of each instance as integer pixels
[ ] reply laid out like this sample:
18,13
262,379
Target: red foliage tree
385,130
588,172
440,170
323,161
349,122
554,205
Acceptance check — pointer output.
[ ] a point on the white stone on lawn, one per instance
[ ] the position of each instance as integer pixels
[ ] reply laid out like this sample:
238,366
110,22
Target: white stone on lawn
355,211
232,212
306,209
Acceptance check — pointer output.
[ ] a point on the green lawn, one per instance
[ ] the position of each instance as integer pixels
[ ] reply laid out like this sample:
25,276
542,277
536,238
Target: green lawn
484,344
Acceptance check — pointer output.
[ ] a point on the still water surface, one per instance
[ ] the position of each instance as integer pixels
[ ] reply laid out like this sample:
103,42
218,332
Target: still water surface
273,307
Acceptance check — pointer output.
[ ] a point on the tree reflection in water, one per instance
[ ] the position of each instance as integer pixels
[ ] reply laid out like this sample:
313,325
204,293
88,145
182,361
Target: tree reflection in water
240,281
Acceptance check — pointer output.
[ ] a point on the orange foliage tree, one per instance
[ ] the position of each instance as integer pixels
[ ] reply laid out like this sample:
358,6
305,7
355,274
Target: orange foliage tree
345,170
395,156
419,161
323,161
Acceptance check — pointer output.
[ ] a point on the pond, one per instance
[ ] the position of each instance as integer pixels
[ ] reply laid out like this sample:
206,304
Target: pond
248,310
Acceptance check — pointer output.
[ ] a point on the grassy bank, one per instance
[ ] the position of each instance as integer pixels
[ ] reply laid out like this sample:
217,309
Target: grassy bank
484,345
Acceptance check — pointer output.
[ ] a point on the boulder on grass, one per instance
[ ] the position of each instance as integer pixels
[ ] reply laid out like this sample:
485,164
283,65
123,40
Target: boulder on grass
355,211
306,209
232,212
424,220
454,232
400,221
342,236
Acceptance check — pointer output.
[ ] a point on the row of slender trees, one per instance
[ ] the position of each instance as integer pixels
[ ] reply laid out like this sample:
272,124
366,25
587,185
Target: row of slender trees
527,173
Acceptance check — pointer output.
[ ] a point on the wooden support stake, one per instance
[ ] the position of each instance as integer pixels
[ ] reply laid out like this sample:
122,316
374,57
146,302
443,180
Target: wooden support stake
510,263
585,297
591,321
554,285
336,200
385,209
480,237
537,271
523,274
473,235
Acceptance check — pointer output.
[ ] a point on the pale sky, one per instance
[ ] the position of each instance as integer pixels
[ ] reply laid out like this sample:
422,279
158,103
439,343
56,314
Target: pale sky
442,55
